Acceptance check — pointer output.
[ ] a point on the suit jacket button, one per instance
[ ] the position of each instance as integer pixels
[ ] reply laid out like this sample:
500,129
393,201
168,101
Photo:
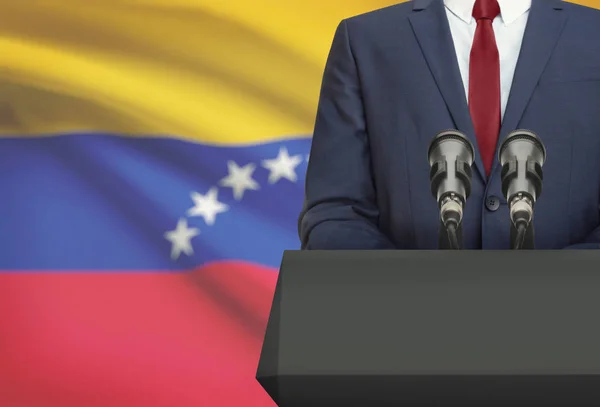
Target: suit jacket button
492,203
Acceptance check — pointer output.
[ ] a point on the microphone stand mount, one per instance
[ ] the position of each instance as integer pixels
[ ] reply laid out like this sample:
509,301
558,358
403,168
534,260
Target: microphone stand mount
522,229
450,231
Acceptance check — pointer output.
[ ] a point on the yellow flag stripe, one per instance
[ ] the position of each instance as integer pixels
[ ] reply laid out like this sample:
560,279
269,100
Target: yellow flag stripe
218,72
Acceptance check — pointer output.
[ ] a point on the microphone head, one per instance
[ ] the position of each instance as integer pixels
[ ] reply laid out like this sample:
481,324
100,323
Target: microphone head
522,144
451,143
522,155
450,158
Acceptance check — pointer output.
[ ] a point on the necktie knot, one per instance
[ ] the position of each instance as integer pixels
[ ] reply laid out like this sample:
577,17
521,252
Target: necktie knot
486,9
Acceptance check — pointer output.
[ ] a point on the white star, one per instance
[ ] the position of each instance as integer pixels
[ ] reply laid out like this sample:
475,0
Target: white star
240,179
283,166
180,239
207,206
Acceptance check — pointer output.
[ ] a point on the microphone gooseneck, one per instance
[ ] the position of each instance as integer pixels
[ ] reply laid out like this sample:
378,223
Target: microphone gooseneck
453,236
520,236
450,158
522,156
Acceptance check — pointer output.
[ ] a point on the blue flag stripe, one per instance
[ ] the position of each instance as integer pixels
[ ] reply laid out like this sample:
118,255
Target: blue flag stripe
105,202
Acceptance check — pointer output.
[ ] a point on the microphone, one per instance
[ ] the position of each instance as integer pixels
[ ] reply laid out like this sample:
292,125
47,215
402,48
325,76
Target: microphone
522,155
450,158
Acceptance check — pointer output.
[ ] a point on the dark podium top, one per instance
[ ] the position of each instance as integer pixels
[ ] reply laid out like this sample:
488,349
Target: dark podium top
435,328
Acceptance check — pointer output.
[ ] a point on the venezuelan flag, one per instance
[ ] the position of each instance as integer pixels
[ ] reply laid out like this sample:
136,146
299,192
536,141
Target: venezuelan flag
152,160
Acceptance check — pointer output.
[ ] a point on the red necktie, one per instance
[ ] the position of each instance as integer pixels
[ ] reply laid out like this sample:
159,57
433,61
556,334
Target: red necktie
484,81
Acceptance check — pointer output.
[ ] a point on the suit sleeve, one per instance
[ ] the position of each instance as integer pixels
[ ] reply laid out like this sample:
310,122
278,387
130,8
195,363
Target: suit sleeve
340,211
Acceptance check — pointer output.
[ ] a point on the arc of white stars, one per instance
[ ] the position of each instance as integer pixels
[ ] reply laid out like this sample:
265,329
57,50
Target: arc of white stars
283,166
180,239
240,179
207,206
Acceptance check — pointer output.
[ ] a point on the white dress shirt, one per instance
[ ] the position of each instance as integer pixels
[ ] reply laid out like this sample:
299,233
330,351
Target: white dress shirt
509,28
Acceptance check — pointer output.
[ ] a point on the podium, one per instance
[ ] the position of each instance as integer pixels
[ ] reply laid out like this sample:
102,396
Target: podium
434,328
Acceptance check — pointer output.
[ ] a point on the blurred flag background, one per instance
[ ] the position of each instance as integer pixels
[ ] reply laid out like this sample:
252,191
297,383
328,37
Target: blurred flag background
152,163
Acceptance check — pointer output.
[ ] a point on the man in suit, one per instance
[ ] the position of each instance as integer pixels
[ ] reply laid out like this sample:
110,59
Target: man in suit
398,76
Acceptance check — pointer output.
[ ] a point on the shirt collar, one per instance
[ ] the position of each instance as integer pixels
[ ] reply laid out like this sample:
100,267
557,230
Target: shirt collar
510,10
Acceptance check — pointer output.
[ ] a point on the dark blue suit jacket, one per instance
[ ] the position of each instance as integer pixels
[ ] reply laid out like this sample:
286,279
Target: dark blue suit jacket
392,83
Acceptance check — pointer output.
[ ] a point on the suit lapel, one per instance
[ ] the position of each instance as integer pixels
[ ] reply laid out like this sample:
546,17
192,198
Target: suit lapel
544,27
430,25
